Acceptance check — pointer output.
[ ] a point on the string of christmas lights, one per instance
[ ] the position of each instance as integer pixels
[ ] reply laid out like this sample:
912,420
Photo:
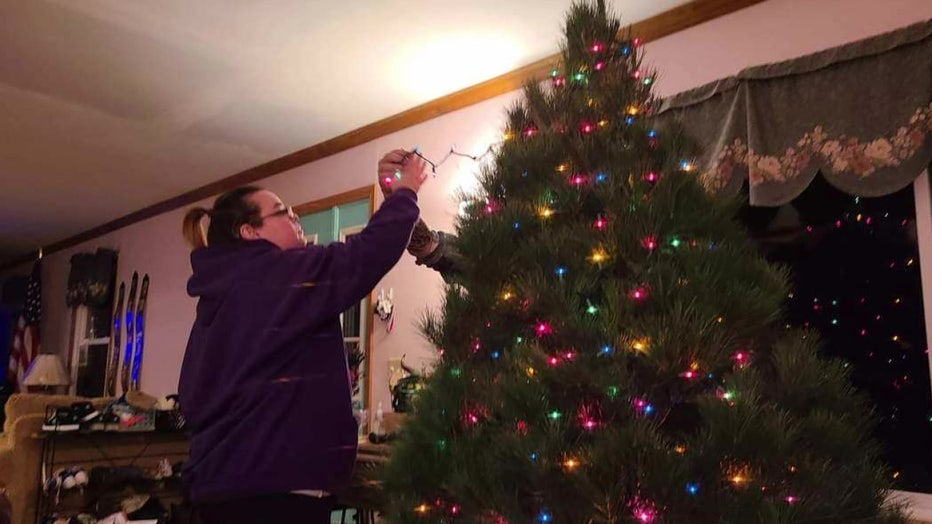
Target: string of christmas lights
451,153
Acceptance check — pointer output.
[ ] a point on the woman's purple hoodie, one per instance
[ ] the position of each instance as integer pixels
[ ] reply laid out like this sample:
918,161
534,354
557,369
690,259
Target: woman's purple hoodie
264,385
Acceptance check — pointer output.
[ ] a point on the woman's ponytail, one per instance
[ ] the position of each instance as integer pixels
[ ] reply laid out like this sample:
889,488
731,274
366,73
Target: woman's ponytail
231,210
195,234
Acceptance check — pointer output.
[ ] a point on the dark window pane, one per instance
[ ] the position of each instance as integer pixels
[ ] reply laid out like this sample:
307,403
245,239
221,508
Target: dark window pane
351,321
98,322
855,264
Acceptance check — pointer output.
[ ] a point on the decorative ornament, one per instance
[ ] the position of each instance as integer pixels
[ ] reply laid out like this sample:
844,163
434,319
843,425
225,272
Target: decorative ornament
385,308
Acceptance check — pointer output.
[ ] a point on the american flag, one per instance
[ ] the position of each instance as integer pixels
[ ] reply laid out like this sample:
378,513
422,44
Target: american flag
26,332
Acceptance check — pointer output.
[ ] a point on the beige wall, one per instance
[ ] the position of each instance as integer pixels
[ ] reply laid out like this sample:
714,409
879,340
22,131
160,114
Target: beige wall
774,30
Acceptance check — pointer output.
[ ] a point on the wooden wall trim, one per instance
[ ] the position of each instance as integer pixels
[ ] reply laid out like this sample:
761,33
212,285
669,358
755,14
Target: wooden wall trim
659,26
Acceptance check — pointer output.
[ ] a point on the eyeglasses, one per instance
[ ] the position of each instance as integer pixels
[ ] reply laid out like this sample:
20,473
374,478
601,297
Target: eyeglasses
287,211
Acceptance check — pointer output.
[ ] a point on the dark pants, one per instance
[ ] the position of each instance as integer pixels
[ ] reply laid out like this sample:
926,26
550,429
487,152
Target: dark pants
284,508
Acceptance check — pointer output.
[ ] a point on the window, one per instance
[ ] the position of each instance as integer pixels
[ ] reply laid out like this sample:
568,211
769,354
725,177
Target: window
857,281
89,349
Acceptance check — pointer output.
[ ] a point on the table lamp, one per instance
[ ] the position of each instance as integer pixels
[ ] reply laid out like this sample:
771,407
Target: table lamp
47,372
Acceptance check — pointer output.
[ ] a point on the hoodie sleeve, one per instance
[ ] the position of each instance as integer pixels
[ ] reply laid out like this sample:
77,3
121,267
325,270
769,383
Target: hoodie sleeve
320,282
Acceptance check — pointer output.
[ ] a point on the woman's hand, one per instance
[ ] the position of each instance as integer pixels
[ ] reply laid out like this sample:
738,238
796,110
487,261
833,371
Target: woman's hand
400,168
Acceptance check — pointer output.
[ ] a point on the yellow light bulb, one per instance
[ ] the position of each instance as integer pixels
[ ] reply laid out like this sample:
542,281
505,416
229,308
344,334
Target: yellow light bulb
633,110
571,464
598,256
545,212
423,508
640,344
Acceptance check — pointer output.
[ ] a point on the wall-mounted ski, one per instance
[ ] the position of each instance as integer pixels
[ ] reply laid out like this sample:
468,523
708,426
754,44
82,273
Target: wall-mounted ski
140,333
130,324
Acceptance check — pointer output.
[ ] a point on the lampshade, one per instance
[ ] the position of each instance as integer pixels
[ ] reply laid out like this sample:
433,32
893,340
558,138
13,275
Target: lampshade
47,370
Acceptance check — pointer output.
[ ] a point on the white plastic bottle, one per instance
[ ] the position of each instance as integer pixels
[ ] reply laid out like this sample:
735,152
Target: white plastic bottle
378,428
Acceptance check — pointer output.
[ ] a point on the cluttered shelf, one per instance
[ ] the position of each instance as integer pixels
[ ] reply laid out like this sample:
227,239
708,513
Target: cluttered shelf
75,501
122,470
101,473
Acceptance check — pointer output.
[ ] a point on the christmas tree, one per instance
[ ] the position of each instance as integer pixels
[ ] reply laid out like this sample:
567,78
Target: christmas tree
613,349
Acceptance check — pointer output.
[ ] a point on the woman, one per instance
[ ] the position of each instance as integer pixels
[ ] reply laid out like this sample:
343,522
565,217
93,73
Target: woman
264,384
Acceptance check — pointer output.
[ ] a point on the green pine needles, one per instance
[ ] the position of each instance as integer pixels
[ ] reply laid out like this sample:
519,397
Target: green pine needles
612,351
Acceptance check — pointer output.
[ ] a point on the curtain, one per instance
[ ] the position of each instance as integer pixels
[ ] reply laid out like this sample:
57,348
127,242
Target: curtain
90,281
861,114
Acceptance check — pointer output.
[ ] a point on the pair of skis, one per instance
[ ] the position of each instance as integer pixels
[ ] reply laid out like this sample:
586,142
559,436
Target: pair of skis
133,320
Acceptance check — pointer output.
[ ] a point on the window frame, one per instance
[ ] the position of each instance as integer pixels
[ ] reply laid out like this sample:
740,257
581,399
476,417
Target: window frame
920,504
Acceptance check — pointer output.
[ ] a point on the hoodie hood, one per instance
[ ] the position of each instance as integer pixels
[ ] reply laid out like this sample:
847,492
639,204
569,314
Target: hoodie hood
217,269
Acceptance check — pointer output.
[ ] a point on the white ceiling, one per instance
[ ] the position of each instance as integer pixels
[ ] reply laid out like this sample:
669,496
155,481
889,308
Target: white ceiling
109,106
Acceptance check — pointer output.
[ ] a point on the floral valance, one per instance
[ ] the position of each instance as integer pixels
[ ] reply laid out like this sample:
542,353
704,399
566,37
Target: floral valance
90,281
861,114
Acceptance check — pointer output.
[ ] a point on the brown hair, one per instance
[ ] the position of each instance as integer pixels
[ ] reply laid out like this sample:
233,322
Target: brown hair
230,211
